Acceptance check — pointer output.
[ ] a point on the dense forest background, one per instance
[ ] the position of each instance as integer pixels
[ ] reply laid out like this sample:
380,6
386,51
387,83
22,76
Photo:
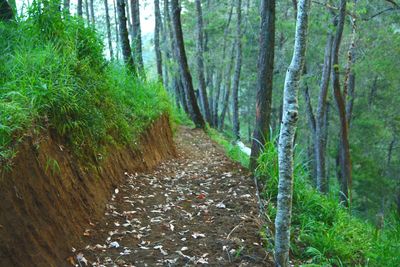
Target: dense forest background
348,93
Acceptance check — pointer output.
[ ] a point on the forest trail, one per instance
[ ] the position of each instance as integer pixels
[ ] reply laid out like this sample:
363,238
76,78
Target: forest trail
197,209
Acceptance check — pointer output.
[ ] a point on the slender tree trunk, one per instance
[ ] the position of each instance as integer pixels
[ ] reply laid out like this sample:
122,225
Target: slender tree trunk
123,34
80,8
157,48
320,122
92,13
350,78
193,107
116,30
311,123
238,66
200,63
165,46
344,151
177,82
108,25
67,4
264,80
87,11
6,11
227,90
129,23
286,138
220,73
137,34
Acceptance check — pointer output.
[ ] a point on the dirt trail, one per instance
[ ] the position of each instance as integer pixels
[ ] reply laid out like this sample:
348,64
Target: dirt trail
199,208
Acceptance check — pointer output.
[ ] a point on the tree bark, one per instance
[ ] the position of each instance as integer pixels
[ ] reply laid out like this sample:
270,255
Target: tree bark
194,110
264,80
116,29
220,73
108,25
320,122
92,13
137,34
87,11
157,30
350,78
80,8
344,151
6,11
238,66
227,90
165,46
200,63
123,35
286,138
67,4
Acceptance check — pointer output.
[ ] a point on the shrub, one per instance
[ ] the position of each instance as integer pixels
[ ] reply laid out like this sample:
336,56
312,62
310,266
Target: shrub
54,76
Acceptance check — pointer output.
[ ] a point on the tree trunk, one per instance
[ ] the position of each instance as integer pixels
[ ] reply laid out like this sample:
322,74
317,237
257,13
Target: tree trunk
220,73
344,151
200,63
177,81
286,138
350,78
227,90
92,13
108,25
137,34
116,29
165,46
264,80
320,122
236,78
157,48
67,4
129,22
311,123
123,35
6,11
194,110
80,8
87,11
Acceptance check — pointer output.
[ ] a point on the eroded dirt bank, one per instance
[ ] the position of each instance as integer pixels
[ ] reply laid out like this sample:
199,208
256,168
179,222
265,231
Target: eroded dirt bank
44,209
198,209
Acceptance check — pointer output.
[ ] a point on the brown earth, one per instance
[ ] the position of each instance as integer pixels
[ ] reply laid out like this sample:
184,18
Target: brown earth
44,208
197,209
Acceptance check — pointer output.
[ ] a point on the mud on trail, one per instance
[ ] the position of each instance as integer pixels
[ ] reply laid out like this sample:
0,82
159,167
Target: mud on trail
197,209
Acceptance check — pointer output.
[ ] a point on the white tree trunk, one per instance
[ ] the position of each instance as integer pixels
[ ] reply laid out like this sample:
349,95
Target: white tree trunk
286,137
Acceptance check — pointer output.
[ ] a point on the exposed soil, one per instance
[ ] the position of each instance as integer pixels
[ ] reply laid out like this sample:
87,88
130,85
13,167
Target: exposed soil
45,207
199,208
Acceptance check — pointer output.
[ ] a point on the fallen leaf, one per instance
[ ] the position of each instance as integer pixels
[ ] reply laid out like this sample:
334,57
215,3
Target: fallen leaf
198,235
114,244
221,205
81,258
201,196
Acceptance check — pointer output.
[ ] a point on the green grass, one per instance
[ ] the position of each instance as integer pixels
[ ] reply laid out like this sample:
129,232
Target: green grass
53,75
231,150
323,232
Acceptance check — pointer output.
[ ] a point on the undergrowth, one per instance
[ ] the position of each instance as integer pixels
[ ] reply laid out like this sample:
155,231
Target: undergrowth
323,232
53,75
231,149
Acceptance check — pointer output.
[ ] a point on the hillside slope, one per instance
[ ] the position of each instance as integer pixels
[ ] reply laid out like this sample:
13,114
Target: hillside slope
50,196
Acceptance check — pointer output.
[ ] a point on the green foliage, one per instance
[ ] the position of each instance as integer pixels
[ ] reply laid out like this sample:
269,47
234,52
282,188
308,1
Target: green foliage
53,75
232,150
323,232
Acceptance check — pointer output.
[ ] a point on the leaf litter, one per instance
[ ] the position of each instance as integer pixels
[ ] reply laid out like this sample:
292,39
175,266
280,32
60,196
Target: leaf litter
180,214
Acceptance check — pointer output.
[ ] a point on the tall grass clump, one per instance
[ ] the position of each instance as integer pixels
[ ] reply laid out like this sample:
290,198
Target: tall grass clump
53,75
323,232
